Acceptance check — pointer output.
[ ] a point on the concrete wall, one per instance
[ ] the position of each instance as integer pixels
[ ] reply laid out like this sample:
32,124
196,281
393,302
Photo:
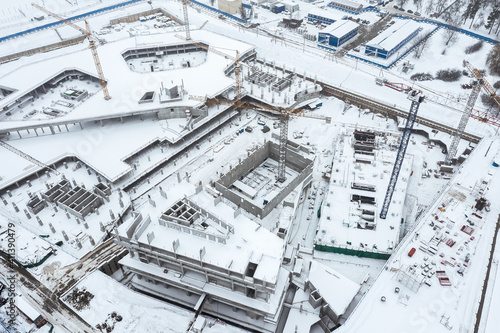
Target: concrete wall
294,161
252,161
180,112
230,6
41,49
135,17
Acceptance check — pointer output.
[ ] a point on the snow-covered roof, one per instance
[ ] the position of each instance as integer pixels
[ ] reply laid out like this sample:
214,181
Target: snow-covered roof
391,37
126,86
347,3
340,28
337,290
249,243
340,214
457,251
334,15
27,309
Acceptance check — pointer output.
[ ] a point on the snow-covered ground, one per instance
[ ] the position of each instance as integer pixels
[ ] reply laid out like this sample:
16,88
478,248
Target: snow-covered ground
139,313
111,150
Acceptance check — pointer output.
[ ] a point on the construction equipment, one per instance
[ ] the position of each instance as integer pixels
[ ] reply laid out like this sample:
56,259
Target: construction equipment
186,18
477,84
416,98
236,59
28,157
91,38
284,114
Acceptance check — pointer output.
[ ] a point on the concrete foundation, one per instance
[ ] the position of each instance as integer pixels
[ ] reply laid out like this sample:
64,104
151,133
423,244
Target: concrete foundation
294,161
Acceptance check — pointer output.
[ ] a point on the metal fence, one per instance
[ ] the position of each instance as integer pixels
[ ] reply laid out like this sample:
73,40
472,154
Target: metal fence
73,18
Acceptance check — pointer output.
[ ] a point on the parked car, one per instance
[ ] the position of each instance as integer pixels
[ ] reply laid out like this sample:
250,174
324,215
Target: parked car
417,14
409,11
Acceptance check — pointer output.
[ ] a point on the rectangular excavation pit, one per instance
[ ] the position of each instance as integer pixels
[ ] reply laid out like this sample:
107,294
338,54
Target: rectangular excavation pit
252,184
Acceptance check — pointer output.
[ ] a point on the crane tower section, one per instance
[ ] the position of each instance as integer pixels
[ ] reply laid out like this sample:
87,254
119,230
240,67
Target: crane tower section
186,19
463,121
416,99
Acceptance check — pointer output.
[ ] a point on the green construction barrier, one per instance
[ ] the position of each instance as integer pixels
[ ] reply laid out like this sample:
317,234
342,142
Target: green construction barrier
352,252
47,256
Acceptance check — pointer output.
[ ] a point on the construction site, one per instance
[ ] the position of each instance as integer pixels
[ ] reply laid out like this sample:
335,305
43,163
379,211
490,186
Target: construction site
209,163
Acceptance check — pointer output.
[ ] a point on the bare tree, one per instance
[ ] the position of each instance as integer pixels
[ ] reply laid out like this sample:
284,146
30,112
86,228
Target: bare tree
493,17
401,3
450,35
479,21
429,9
418,4
422,43
493,60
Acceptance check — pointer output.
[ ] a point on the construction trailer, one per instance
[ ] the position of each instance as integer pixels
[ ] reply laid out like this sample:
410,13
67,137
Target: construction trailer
30,312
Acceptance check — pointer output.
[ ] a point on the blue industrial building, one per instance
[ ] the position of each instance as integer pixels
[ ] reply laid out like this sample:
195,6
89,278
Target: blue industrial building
320,16
392,39
337,34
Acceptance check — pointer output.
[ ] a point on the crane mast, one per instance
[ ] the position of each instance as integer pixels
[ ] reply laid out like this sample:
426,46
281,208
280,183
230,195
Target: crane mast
479,83
186,19
416,99
463,121
92,46
283,113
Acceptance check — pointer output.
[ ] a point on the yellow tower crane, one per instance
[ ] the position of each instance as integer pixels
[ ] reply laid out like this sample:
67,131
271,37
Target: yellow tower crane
91,38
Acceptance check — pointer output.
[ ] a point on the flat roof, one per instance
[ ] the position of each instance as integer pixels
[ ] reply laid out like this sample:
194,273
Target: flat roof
27,309
334,15
349,3
260,245
391,37
340,28
122,81
337,290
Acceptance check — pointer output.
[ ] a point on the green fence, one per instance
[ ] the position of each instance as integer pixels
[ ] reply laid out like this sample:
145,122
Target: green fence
36,264
352,252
